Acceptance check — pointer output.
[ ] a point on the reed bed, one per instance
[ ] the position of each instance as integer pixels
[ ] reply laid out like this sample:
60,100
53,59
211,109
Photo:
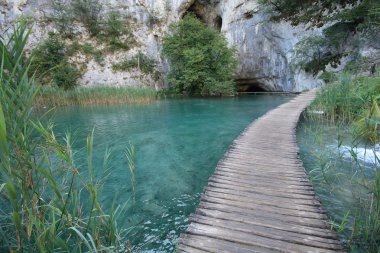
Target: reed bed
345,100
352,103
47,202
49,96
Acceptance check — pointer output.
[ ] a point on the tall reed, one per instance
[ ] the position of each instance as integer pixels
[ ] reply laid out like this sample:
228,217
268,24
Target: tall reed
46,203
97,95
353,104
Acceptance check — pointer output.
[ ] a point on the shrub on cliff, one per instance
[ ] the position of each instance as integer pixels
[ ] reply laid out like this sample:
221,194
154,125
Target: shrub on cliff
200,61
50,63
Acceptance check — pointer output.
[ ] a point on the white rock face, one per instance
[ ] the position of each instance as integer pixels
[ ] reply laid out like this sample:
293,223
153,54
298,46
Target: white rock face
265,49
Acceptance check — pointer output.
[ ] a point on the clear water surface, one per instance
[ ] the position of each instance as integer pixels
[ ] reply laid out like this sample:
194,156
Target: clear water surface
177,143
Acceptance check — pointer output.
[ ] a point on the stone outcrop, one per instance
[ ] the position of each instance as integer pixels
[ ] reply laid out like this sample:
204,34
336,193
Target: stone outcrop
264,49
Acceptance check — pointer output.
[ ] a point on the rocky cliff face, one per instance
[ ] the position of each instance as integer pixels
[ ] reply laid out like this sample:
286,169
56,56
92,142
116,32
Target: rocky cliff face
265,49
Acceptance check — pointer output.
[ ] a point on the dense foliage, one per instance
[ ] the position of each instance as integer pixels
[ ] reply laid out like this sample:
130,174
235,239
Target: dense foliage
200,61
50,63
46,203
342,22
348,98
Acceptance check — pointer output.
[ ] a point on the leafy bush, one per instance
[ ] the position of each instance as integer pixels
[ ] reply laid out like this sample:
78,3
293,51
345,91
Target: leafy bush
87,11
200,61
115,26
328,77
51,63
48,55
63,17
65,77
116,33
88,48
140,60
98,57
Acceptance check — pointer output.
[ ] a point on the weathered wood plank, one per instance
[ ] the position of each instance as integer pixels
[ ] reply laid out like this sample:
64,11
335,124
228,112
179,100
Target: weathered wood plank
267,202
260,198
272,233
276,224
221,246
288,211
250,239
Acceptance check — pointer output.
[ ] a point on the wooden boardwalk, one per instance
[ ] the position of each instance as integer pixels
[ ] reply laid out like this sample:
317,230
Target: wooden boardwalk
259,198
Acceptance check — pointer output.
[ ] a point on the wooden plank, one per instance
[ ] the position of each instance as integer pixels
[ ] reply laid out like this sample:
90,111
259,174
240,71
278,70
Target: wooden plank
263,214
250,239
281,209
276,224
267,202
258,185
260,199
221,246
272,233
268,174
262,191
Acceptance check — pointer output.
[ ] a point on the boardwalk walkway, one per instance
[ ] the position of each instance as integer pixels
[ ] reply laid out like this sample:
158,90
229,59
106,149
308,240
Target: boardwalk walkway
259,198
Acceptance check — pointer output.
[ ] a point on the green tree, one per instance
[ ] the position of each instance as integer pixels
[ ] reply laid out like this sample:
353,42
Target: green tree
200,61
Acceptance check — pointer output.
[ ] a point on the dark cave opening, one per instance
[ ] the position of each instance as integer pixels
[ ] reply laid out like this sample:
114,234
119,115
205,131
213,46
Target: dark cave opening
197,9
205,13
250,85
218,23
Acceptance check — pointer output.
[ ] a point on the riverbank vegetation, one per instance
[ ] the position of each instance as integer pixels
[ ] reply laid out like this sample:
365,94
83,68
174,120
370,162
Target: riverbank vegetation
351,105
49,96
201,62
47,203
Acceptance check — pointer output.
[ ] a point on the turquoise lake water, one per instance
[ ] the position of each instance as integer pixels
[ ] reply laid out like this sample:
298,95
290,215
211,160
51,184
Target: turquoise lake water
177,144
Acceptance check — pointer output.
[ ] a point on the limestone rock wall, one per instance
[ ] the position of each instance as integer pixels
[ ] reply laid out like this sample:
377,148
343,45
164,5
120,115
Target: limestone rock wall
265,49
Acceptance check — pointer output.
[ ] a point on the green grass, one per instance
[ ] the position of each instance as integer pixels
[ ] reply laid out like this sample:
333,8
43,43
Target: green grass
97,95
346,99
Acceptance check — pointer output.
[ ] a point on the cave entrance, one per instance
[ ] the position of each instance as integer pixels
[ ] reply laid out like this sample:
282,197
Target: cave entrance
197,9
218,23
205,12
250,85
